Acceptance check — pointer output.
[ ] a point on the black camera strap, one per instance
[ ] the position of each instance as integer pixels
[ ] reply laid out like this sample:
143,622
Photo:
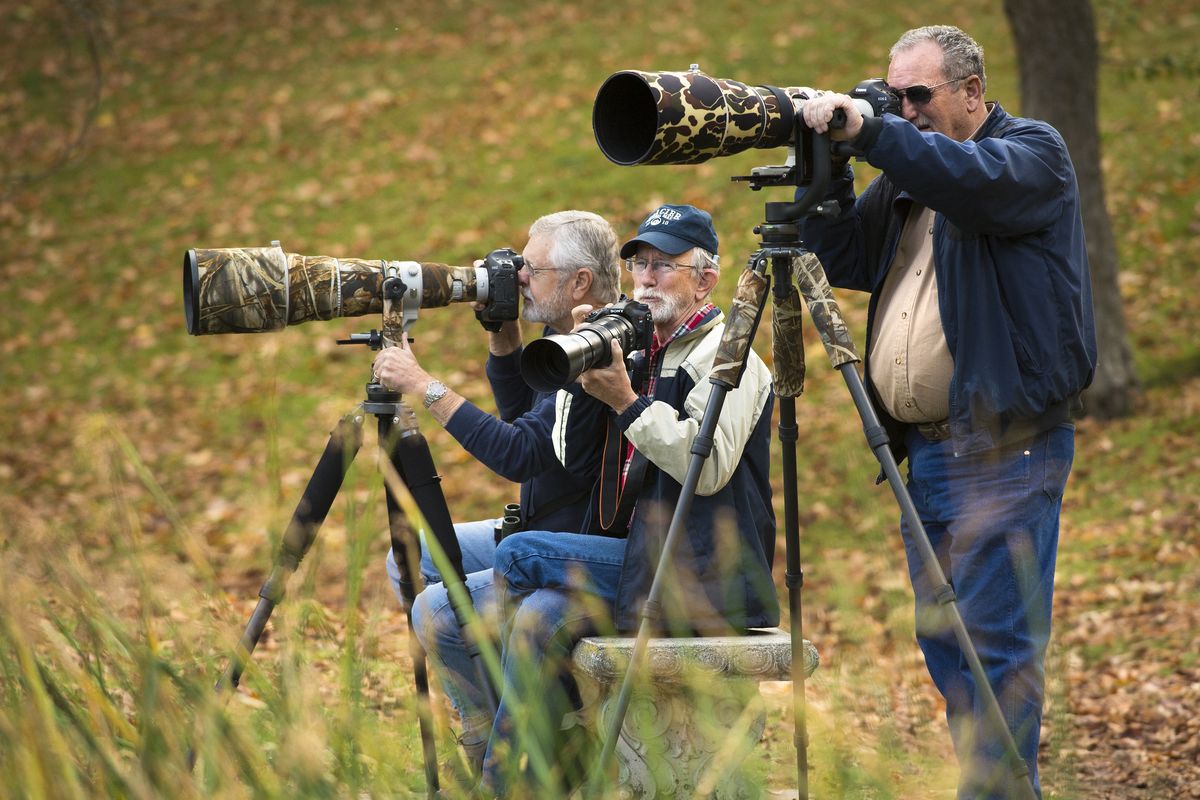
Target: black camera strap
616,496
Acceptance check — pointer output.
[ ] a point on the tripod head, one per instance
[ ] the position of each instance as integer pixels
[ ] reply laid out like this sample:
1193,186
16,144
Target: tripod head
400,307
809,166
380,400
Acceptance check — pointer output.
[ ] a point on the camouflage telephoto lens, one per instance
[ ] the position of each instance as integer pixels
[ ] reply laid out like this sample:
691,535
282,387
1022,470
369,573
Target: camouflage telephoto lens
259,289
687,117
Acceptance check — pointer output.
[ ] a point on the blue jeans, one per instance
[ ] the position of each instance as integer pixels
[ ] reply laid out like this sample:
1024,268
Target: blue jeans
438,630
553,589
992,519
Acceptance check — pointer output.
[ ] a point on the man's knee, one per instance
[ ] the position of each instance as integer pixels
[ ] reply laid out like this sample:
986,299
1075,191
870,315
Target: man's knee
521,559
432,618
548,622
510,561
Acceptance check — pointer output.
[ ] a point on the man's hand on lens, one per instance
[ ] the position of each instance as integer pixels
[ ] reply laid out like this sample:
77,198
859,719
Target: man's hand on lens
818,112
610,385
579,314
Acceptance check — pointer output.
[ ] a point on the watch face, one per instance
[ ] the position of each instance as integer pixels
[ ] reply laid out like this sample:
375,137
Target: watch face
435,391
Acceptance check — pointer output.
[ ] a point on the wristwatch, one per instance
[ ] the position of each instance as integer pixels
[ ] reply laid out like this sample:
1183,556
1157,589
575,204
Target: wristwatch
435,391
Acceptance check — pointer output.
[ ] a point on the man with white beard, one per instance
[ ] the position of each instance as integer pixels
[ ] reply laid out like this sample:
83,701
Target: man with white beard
631,430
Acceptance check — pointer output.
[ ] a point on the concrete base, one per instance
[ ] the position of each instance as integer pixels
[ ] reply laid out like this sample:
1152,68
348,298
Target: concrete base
695,712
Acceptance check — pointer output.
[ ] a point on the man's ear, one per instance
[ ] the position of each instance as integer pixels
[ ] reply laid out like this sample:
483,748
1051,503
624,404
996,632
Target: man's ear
581,284
974,91
707,282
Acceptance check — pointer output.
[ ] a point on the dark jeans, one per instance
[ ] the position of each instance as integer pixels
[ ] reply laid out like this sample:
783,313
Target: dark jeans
552,589
992,519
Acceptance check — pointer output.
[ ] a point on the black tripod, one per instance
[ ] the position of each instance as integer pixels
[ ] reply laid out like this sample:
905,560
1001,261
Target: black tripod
784,254
409,456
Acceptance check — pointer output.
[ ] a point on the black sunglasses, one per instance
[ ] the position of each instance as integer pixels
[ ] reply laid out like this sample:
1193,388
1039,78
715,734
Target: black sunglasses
920,94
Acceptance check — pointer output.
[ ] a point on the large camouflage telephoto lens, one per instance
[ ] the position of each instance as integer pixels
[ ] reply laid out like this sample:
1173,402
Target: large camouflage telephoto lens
259,289
687,117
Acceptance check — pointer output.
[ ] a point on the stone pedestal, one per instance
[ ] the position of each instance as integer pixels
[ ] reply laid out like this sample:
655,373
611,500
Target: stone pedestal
695,712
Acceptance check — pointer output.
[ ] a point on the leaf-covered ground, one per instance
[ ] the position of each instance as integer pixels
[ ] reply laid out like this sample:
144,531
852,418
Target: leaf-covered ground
159,468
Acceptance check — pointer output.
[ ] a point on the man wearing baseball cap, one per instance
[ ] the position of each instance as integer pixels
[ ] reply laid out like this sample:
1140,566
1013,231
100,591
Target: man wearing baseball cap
668,233
630,428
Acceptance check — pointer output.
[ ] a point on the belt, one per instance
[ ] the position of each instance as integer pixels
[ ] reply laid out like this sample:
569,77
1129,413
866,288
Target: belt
935,431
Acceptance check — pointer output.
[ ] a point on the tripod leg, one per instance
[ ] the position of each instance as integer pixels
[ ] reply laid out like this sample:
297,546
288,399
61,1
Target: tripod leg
310,513
408,452
827,316
407,561
794,578
745,312
788,349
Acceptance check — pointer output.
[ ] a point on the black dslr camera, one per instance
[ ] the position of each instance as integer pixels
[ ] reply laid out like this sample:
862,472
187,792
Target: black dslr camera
501,267
552,362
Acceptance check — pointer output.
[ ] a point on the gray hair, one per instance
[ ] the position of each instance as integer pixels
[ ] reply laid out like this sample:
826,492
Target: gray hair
581,239
702,260
961,55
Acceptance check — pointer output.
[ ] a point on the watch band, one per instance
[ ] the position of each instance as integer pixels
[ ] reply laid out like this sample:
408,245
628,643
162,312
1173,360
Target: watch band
435,391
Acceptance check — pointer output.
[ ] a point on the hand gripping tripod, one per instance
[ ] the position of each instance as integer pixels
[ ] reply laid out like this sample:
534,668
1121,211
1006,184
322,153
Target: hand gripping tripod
408,455
784,254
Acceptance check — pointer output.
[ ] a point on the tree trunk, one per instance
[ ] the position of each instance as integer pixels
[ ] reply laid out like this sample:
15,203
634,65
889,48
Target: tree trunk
1058,60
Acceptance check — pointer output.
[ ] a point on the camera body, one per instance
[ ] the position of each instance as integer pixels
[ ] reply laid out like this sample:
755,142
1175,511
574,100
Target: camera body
503,297
630,324
880,97
552,362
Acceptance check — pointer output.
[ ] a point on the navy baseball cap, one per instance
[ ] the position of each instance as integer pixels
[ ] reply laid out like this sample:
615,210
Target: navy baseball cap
674,230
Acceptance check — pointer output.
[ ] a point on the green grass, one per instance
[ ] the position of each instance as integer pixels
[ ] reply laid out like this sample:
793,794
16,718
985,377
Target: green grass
148,475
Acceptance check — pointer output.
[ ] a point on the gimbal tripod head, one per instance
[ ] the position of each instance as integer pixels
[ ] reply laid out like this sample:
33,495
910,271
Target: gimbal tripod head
400,307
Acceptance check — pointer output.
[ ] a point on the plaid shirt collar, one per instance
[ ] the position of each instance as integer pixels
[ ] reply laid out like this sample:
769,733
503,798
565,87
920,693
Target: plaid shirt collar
658,347
687,326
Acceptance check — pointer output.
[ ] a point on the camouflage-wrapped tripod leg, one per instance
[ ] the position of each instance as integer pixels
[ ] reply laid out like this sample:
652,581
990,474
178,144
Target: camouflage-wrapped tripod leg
740,326
787,345
825,312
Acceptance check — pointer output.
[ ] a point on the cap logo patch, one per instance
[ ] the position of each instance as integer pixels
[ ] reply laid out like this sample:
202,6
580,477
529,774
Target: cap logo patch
663,216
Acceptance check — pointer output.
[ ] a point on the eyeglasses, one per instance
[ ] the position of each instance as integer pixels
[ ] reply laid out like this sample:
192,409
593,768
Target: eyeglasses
535,271
919,94
660,266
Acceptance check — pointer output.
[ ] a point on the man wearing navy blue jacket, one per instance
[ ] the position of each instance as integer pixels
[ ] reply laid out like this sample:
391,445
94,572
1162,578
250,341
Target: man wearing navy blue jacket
980,339
571,258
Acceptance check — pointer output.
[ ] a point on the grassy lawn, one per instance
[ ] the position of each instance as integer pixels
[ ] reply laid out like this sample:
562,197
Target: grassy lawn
145,475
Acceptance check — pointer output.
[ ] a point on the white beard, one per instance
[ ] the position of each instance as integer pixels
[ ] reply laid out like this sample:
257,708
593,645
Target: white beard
663,308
